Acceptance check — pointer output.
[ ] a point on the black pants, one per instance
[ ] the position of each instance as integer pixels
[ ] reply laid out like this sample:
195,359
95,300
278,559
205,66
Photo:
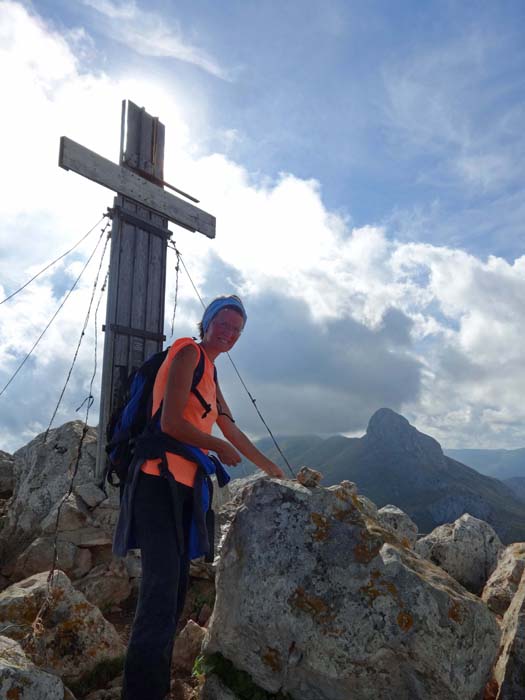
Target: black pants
163,587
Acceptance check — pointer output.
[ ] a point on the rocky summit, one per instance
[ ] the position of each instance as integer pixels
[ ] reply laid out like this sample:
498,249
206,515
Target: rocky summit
315,594
316,601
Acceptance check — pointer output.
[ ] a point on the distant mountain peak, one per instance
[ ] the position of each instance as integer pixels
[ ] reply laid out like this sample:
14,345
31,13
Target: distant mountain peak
387,421
394,432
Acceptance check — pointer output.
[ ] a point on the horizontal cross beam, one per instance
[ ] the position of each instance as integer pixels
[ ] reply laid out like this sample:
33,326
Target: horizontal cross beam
115,177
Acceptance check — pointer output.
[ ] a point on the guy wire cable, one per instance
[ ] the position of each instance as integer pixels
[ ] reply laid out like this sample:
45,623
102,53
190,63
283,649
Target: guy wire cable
37,626
177,269
54,261
86,321
56,312
252,399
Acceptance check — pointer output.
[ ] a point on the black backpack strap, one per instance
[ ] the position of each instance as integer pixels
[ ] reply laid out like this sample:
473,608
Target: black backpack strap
197,376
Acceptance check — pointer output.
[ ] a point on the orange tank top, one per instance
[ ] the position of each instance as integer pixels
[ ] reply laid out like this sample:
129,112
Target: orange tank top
182,469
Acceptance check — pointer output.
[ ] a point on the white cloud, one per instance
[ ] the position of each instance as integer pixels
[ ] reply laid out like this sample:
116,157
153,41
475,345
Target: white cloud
460,318
147,33
441,102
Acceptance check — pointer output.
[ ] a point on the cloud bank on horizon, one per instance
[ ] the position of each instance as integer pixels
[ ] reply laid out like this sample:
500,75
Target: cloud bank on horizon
346,315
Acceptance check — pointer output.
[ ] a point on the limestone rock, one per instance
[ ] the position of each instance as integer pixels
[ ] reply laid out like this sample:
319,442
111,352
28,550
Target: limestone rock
309,477
38,556
187,647
367,506
90,494
509,672
467,549
105,694
7,474
504,580
202,569
42,479
75,637
214,689
20,679
133,564
225,514
204,615
337,608
65,516
399,523
105,514
106,585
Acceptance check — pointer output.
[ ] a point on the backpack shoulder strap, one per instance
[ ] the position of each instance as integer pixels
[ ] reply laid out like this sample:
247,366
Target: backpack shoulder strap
197,376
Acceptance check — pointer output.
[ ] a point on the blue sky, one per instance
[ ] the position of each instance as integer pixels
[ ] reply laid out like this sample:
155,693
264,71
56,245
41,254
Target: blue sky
364,160
399,109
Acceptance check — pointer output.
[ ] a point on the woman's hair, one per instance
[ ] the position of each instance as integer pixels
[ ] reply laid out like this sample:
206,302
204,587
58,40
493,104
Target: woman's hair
231,302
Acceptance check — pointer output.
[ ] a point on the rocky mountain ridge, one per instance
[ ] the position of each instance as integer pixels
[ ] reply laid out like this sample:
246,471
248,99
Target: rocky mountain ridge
395,463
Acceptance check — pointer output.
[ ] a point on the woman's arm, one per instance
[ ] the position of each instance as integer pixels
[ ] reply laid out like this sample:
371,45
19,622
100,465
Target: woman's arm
241,441
176,395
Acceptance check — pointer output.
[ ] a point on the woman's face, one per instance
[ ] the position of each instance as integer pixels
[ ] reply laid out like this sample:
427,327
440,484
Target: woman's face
224,330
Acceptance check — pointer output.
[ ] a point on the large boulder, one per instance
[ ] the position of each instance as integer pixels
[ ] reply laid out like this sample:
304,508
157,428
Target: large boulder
315,599
467,549
399,524
42,478
509,672
504,580
73,638
20,679
47,515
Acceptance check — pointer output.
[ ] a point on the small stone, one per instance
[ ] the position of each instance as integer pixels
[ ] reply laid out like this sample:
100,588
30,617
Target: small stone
91,494
187,646
202,569
399,524
309,477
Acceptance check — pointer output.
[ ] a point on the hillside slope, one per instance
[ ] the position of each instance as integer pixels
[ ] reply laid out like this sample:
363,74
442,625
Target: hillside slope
501,464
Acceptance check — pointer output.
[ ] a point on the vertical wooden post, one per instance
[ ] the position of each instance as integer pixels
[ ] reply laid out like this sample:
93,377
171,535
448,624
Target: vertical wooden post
134,327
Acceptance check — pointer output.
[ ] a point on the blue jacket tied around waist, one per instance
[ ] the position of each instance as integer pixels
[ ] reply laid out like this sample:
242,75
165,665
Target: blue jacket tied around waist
154,445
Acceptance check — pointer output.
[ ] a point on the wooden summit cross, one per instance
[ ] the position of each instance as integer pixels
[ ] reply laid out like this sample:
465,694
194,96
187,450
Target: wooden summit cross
139,236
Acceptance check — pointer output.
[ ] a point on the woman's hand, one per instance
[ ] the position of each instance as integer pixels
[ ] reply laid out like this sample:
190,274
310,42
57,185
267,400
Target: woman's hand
273,470
227,453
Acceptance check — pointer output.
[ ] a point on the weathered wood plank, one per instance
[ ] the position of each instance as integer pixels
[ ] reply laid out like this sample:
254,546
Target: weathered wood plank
81,160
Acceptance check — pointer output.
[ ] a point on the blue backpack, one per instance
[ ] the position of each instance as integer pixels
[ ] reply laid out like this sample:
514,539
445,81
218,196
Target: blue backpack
133,416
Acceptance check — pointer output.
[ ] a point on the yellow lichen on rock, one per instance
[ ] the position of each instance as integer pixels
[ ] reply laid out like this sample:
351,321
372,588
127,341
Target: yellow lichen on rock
316,607
322,524
272,658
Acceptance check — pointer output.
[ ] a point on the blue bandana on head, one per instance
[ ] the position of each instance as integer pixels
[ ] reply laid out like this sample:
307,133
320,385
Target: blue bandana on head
217,305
